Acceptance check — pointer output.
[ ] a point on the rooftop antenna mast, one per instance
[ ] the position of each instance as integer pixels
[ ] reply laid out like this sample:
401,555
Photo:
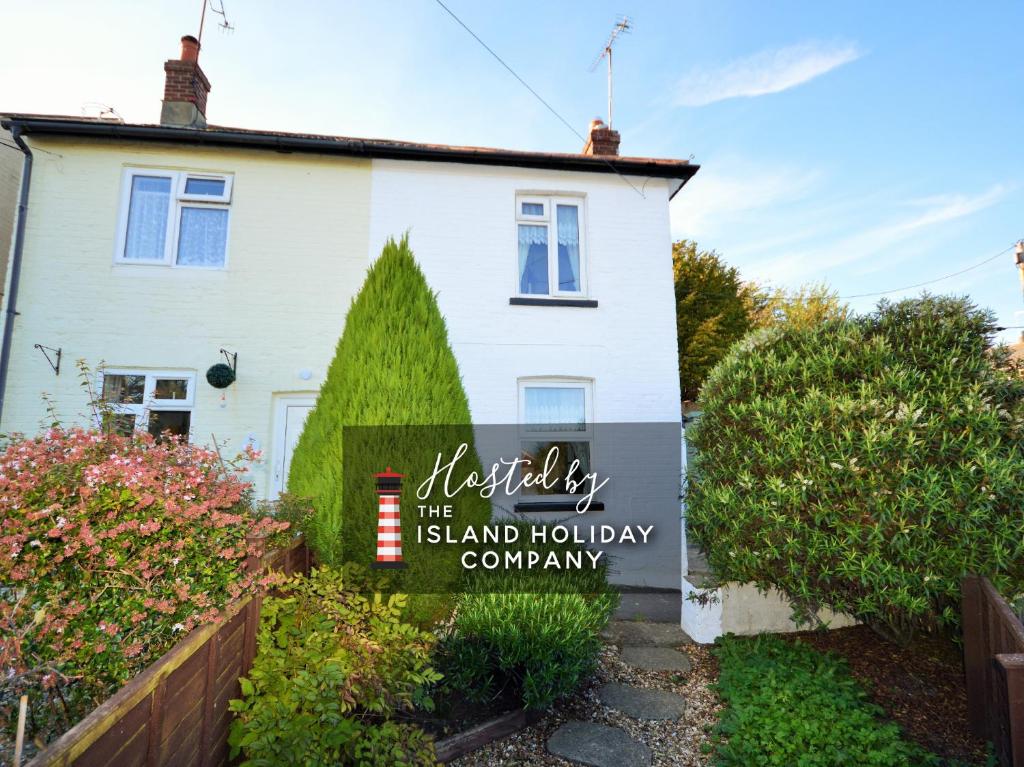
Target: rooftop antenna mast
1018,260
622,26
224,24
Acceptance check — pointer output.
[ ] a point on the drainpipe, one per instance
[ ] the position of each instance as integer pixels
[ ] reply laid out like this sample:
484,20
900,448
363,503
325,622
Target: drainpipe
19,245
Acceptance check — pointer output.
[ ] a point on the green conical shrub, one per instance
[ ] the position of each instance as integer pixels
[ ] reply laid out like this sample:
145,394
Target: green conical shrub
393,368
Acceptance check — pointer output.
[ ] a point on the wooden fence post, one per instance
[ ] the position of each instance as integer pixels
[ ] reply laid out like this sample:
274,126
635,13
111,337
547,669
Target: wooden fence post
976,654
1012,668
156,721
209,695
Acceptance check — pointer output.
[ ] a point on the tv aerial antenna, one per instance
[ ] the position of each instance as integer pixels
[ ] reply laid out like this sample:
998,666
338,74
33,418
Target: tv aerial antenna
225,25
622,27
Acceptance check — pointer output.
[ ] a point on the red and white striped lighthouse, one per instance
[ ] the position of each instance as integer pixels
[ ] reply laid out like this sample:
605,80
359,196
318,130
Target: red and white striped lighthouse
389,520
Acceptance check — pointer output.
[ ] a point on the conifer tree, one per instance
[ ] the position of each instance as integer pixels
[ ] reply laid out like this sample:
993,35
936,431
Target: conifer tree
393,367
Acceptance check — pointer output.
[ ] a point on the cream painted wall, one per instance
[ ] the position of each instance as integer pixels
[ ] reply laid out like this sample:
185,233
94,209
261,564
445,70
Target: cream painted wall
297,244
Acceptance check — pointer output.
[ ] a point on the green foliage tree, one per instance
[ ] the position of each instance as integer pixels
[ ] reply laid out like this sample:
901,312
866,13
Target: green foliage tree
805,307
865,464
393,368
711,312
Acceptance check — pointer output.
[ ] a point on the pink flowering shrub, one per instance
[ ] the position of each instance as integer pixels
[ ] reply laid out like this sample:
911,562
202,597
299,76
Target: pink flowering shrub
111,549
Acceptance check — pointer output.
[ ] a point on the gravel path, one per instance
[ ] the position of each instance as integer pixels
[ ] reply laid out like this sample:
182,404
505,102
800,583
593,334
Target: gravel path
674,743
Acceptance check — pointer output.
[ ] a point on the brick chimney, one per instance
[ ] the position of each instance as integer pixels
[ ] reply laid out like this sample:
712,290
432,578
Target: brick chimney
602,139
185,89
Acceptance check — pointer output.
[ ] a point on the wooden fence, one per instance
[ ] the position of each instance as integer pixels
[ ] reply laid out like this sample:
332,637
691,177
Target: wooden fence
994,667
176,711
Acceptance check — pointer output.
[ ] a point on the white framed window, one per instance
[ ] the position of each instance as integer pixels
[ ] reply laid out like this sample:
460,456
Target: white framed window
551,247
174,218
556,414
156,401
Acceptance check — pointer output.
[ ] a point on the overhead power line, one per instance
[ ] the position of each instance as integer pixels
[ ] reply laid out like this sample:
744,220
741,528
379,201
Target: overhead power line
988,260
536,95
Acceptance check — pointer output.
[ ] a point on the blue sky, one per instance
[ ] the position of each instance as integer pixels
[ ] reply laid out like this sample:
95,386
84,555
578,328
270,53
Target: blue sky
870,145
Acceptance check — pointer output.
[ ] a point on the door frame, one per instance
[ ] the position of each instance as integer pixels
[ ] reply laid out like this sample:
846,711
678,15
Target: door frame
281,404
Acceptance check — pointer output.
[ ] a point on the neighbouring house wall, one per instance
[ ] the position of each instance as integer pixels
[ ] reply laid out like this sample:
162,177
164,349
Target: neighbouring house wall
462,228
11,160
297,245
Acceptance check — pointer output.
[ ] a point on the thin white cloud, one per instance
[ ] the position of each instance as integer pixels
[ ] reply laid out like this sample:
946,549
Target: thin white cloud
721,193
893,240
769,71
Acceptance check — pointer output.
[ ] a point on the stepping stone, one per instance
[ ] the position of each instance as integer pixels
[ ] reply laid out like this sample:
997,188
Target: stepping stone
641,703
643,634
655,658
650,605
598,745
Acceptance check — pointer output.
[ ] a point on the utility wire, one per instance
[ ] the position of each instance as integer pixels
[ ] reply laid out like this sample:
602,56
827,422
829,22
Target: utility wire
937,279
34,149
536,95
727,294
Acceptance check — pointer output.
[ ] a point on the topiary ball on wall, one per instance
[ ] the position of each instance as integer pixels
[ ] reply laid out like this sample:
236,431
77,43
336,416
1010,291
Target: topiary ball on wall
220,376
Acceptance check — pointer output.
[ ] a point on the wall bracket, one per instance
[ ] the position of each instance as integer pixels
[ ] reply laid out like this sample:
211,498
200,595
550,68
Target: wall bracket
55,361
232,359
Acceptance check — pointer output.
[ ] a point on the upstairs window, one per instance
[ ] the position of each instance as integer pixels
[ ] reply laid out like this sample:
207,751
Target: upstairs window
551,252
147,400
174,218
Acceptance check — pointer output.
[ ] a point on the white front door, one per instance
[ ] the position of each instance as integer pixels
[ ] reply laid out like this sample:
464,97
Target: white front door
290,411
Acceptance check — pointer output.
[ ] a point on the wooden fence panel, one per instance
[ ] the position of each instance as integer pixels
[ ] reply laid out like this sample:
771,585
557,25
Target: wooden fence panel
175,713
994,669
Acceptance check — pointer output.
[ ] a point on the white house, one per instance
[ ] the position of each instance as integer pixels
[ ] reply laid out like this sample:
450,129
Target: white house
155,251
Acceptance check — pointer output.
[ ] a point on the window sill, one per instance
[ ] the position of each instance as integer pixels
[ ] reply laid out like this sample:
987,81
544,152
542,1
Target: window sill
587,303
536,506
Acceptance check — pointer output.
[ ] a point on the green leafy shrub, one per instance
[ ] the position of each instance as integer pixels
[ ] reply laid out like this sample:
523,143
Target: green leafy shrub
787,704
113,548
393,367
533,636
865,465
334,660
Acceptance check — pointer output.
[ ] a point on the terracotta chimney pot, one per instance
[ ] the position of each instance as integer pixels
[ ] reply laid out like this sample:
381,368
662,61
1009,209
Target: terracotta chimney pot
189,48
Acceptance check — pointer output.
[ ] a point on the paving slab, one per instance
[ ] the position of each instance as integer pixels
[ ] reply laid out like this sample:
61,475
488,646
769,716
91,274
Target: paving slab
598,745
644,634
661,606
655,658
641,703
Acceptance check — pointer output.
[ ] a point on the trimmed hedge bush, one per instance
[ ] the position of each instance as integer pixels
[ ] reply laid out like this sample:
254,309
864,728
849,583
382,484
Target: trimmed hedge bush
787,704
332,666
534,635
393,367
865,465
113,548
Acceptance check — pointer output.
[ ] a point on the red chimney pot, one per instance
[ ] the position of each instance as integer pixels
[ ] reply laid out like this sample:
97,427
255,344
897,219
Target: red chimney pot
189,48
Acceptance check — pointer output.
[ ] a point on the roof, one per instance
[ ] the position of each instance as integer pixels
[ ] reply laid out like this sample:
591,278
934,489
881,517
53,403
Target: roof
216,135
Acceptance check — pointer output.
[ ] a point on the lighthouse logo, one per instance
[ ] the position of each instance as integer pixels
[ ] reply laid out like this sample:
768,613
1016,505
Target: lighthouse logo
389,520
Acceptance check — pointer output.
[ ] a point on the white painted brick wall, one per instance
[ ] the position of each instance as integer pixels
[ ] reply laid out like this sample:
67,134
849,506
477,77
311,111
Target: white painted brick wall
303,229
462,228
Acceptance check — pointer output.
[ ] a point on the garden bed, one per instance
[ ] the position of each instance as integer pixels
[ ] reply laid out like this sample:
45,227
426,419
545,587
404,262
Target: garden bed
921,687
674,743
